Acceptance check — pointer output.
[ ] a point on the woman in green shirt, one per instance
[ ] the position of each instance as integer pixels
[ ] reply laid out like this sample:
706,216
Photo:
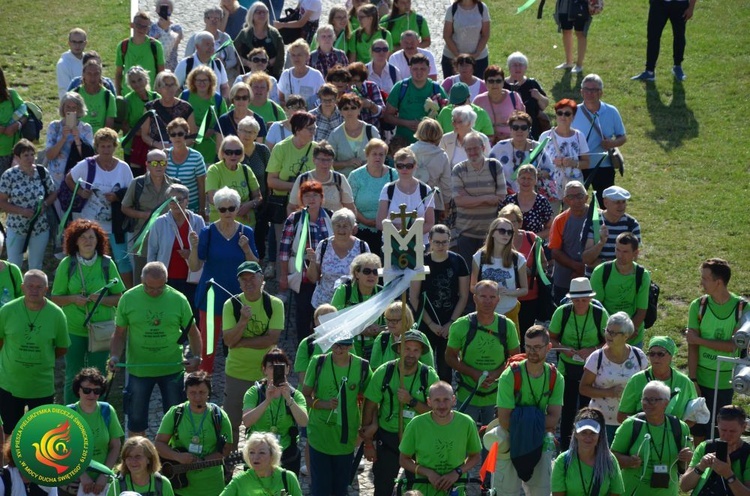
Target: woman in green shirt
139,470
588,468
202,95
368,31
135,106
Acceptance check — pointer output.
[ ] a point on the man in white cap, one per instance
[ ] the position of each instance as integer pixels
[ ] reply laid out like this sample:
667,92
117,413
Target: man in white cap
614,221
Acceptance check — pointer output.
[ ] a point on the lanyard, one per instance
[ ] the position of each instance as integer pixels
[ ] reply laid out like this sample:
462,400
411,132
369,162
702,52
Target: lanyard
333,371
664,446
579,334
531,389
192,424
586,490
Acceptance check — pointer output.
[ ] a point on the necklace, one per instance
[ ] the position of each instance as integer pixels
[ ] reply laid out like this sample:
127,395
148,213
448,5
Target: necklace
32,323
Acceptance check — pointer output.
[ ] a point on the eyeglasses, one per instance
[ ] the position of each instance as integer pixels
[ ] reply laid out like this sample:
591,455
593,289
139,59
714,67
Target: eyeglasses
96,391
344,109
328,100
566,113
224,210
379,49
404,165
494,81
236,153
577,196
522,127
393,321
241,97
613,333
324,159
504,232
652,401
142,26
660,354
259,60
591,90
178,134
367,271
202,81
537,348
158,163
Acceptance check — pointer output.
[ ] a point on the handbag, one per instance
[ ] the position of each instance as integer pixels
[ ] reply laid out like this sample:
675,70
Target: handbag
99,333
65,194
289,35
615,155
276,205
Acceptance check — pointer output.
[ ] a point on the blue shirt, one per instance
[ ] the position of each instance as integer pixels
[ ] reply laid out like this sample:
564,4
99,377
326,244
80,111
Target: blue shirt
607,120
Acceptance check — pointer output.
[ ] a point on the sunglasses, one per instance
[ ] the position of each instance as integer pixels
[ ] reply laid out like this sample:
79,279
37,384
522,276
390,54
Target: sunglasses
522,127
367,271
494,81
158,163
259,60
224,210
343,109
504,232
379,49
660,354
178,134
613,333
96,391
236,153
242,97
404,165
566,113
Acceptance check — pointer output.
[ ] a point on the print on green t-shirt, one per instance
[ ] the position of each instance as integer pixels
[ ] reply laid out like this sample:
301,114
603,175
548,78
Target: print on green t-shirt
219,175
580,332
248,484
619,294
681,387
276,418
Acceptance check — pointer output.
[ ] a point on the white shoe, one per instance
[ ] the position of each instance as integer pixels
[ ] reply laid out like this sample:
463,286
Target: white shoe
576,69
564,66
303,470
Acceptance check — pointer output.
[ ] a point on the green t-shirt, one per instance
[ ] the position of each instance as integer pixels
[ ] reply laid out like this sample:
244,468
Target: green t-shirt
102,433
403,23
379,355
630,401
360,42
249,484
441,448
154,326
718,323
146,490
620,293
99,107
269,111
27,358
534,390
580,332
483,123
700,451
388,400
244,363
135,108
362,344
661,450
219,175
302,358
485,352
207,147
70,284
7,109
411,106
324,428
289,161
276,418
142,55
10,279
207,481
577,478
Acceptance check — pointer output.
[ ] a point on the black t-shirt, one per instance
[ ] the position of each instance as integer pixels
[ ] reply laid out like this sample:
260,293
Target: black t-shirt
441,286
532,106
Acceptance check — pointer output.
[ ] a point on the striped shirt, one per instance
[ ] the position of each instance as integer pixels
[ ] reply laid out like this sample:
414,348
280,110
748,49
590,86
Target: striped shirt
626,223
466,181
188,173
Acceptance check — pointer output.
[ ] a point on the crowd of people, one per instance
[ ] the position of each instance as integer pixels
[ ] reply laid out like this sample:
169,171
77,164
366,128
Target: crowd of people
277,149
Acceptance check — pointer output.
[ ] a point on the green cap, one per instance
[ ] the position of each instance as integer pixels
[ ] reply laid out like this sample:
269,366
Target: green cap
253,267
413,335
663,342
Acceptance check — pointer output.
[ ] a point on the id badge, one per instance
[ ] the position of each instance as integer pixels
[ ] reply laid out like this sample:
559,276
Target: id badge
660,477
195,449
409,414
578,359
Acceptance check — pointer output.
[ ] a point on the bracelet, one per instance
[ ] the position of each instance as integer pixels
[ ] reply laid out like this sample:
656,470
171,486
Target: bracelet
698,470
416,470
315,403
731,479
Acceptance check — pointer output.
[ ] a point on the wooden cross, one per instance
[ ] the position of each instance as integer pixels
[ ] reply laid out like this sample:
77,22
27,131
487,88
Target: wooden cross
403,216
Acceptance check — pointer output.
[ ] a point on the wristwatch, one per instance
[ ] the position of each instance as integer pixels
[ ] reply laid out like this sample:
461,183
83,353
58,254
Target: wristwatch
413,402
731,479
461,472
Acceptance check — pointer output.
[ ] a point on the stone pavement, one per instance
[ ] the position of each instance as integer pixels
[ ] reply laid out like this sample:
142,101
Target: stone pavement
190,16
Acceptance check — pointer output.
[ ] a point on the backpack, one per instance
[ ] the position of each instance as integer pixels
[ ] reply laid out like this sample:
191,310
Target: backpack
32,128
515,367
391,188
103,407
364,370
267,307
106,261
405,86
216,416
454,8
124,50
337,176
703,306
714,485
653,293
674,426
386,386
502,336
392,72
190,63
358,35
598,311
324,245
420,22
601,358
217,100
158,484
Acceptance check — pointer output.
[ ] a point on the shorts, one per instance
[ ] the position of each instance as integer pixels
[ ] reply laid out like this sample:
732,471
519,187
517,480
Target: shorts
579,23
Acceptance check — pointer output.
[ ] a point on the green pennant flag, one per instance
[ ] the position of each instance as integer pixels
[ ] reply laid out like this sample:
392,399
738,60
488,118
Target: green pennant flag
64,220
202,129
539,266
525,6
299,258
596,221
32,222
532,156
222,47
138,243
136,127
210,331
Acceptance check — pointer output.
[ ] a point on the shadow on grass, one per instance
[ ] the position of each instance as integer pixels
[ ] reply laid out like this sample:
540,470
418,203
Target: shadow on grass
674,122
567,87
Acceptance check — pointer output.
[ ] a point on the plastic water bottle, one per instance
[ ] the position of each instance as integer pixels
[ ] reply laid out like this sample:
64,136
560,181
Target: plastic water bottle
549,443
454,492
5,297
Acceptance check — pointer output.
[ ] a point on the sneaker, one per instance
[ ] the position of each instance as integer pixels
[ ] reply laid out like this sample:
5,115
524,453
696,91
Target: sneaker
645,76
679,74
303,470
564,66
270,270
576,69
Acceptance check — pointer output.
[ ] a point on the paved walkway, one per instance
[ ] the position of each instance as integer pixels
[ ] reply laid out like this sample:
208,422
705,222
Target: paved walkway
190,16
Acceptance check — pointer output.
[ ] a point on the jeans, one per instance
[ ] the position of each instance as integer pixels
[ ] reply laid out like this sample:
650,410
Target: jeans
36,248
658,14
77,358
234,395
331,474
137,396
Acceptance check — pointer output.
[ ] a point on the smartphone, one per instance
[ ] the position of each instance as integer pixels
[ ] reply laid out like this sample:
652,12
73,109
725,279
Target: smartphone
164,12
721,449
279,375
71,120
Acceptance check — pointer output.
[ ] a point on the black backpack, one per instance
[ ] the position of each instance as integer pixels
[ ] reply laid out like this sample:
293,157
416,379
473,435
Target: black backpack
324,247
364,371
158,484
653,293
502,335
598,312
715,485
674,426
391,187
216,416
390,368
267,307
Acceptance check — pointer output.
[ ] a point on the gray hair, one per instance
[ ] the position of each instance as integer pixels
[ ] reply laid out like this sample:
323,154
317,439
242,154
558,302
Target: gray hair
476,136
325,28
570,184
251,12
465,114
595,78
154,269
269,440
409,32
659,388
72,96
623,322
249,123
203,35
517,57
165,74
240,86
213,10
226,195
36,273
344,214
179,189
138,70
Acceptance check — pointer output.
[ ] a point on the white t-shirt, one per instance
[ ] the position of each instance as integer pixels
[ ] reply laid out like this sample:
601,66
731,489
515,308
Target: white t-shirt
504,276
467,28
306,86
98,207
398,59
413,202
384,80
276,133
613,374
68,68
315,6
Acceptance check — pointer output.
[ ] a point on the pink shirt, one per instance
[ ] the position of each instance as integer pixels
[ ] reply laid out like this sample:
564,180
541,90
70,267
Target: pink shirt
499,112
